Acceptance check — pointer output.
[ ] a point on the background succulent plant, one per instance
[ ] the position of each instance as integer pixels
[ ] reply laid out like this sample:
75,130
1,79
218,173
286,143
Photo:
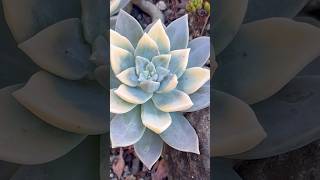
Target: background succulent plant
157,74
252,97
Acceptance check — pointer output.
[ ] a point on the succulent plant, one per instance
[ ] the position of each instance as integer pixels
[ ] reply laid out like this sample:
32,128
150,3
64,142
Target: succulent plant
262,106
157,75
63,105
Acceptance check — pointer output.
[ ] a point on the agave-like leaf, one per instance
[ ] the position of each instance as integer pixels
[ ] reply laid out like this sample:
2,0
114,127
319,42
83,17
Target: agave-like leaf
60,49
99,51
179,61
132,95
153,118
258,9
235,129
159,35
141,64
114,81
172,101
180,135
116,5
118,105
129,27
149,148
199,51
101,75
126,129
129,77
25,139
82,163
225,25
94,18
162,60
120,41
252,67
149,86
200,99
162,73
193,79
28,17
120,59
178,40
56,101
291,118
169,83
146,47
223,169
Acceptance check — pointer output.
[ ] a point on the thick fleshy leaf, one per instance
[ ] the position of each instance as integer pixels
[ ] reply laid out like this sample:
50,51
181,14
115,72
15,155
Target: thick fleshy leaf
169,83
25,139
114,81
162,73
181,135
153,118
100,53
114,4
258,9
82,163
132,95
162,60
120,59
118,105
227,26
26,18
223,169
146,47
235,128
149,148
200,52
129,77
149,86
126,129
129,27
200,99
178,33
56,101
94,18
159,35
60,49
255,66
101,75
141,64
290,117
179,61
122,4
172,101
192,79
120,41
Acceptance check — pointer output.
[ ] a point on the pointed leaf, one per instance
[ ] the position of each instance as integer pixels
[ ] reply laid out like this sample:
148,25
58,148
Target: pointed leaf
179,61
193,79
114,82
162,73
159,35
149,86
129,77
100,53
153,118
172,101
132,95
149,148
181,135
94,18
227,26
178,33
146,47
120,41
101,75
290,117
119,106
25,139
200,99
126,129
26,18
200,52
129,27
141,64
120,59
236,128
169,83
122,4
162,60
60,50
252,69
114,4
56,101
82,163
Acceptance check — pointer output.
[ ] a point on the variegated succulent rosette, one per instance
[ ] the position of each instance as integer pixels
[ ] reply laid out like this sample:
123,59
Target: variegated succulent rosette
156,75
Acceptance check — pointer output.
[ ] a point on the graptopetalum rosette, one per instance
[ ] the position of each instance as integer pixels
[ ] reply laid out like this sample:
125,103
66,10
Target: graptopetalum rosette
156,75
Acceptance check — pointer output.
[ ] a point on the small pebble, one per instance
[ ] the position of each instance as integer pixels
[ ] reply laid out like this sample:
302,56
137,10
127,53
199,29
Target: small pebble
161,5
